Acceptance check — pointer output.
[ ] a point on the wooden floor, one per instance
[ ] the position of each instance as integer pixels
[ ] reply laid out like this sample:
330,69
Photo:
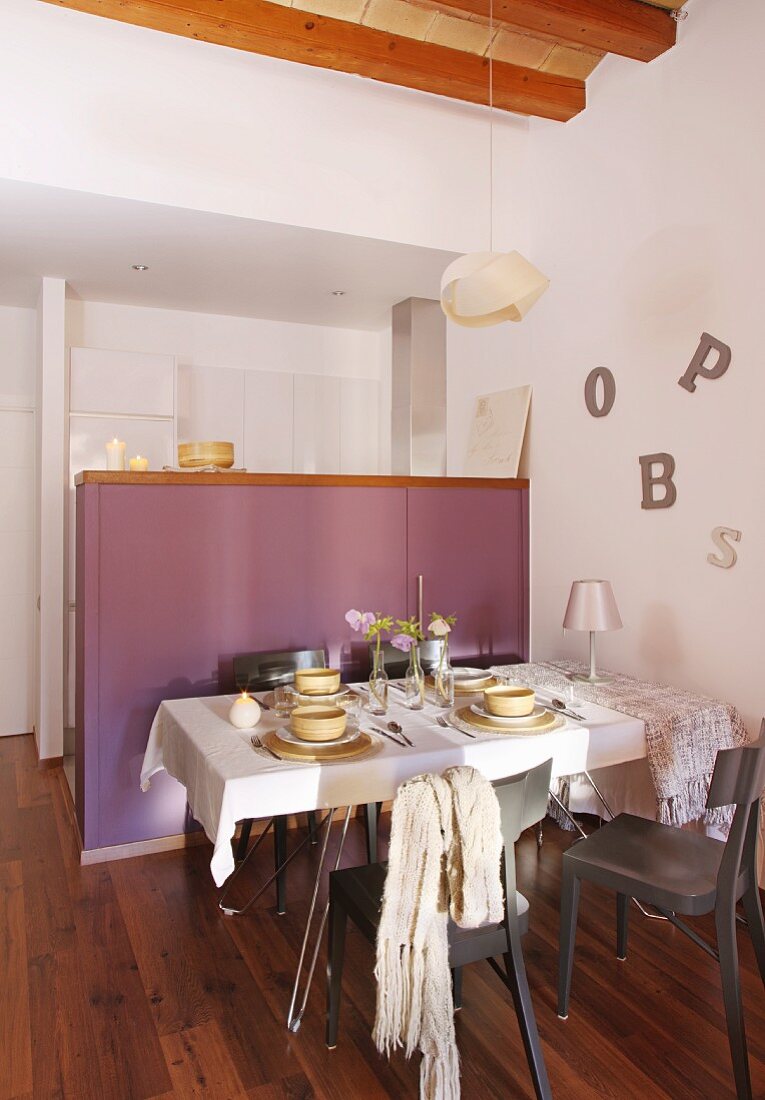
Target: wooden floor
123,980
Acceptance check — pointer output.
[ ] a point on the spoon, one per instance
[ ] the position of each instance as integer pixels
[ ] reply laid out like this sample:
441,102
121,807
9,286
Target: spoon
558,704
394,727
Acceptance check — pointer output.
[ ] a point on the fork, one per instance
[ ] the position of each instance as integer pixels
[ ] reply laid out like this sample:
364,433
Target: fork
258,744
448,726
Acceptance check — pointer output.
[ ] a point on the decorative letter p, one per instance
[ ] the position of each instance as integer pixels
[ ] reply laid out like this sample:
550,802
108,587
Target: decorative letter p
707,343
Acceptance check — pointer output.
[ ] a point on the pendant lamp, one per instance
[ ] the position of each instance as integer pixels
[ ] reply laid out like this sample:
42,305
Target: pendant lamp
486,288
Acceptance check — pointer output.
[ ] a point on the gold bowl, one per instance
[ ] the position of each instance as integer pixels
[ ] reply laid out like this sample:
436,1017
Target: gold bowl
210,453
508,702
318,723
317,681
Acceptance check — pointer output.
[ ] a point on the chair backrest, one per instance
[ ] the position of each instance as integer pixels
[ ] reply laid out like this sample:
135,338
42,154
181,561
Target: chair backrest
522,802
738,779
260,671
396,661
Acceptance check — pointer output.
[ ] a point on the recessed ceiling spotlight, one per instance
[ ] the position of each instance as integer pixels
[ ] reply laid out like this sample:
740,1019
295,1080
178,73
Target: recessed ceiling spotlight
337,293
140,267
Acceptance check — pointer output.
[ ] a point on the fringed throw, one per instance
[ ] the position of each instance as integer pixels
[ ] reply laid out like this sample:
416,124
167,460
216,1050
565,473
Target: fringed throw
683,733
444,859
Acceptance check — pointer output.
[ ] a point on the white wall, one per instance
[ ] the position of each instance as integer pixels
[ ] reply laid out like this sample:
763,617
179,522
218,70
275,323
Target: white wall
17,498
646,214
207,340
105,107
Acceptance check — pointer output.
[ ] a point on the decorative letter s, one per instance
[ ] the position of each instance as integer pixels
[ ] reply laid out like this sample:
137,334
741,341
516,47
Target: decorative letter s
707,343
727,553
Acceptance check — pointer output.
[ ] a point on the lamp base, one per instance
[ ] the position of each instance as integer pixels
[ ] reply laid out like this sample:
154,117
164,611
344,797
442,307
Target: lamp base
586,678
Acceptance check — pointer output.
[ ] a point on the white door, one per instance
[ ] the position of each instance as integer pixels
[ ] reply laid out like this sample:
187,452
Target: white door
17,496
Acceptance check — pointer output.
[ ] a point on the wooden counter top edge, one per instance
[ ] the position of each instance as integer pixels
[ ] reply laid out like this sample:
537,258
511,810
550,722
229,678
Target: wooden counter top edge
161,477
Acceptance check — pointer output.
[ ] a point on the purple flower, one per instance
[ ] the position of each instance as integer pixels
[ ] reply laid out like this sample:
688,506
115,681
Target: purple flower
359,620
402,642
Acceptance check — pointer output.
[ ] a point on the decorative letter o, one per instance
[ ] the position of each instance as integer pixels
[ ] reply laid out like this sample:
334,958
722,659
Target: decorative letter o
591,391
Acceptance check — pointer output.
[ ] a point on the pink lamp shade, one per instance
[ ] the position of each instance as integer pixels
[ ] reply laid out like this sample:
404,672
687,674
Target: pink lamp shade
591,606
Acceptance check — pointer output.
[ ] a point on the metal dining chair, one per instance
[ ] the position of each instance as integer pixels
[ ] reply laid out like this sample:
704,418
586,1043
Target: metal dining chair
356,892
677,871
263,672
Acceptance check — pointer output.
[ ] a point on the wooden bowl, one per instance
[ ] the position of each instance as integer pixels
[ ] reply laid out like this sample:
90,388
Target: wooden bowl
206,454
318,723
508,702
317,681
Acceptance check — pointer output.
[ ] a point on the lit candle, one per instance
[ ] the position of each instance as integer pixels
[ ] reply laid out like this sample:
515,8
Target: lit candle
115,455
139,464
245,712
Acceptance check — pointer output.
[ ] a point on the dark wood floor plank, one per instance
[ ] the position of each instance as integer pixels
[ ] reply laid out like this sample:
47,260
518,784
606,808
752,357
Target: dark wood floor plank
200,1064
9,812
15,1042
64,1052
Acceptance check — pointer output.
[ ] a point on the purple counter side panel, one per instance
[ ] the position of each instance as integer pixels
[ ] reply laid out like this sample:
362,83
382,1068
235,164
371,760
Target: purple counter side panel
173,581
471,548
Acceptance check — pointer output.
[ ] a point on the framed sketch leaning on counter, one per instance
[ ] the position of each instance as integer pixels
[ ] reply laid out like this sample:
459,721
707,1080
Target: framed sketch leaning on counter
496,435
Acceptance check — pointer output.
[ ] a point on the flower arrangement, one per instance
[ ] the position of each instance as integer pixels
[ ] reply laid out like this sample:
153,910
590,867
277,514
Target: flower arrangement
373,625
440,627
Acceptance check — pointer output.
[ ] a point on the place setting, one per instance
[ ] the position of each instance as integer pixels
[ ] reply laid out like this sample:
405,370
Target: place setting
504,710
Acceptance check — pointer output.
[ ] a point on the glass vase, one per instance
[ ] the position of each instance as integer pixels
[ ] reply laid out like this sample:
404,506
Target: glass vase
414,681
443,678
378,685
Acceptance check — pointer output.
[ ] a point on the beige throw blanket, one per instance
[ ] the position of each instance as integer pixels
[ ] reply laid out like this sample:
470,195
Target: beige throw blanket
444,858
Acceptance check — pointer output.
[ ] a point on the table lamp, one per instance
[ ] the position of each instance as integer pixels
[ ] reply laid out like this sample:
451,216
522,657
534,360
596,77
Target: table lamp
591,606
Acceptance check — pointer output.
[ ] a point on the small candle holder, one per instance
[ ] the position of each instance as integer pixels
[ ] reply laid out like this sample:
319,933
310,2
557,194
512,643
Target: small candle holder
245,712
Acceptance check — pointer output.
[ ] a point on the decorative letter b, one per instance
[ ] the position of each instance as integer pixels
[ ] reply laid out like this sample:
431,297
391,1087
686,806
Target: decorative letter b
650,480
707,343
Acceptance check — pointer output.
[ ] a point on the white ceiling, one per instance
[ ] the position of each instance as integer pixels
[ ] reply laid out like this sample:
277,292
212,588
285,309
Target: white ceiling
207,263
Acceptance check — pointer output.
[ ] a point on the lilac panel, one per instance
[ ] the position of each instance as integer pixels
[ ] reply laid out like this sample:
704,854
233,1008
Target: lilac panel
471,547
190,576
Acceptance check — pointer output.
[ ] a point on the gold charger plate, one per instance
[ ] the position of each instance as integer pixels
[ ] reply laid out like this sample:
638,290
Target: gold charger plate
543,724
320,752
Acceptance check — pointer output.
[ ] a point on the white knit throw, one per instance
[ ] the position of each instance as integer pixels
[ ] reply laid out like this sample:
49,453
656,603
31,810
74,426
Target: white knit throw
444,858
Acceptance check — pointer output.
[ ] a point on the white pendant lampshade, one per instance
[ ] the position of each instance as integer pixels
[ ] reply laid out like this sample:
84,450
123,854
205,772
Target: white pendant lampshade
486,288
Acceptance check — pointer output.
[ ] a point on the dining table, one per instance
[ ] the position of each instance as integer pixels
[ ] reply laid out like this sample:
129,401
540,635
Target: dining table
228,779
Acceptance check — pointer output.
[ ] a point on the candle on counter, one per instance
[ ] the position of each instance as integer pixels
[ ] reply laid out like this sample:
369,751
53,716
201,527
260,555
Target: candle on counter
139,464
115,455
245,712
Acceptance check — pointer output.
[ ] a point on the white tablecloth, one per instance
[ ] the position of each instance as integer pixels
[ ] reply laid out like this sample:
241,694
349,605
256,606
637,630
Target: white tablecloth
227,781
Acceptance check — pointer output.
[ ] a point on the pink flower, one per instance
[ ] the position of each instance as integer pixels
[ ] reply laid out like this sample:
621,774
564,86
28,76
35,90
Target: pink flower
402,642
359,620
440,628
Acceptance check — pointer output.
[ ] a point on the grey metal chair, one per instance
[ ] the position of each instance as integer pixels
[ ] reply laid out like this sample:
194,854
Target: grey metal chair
263,672
356,892
681,872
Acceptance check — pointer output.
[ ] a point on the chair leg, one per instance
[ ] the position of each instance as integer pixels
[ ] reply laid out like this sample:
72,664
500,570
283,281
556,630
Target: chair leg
569,904
335,956
311,815
524,1008
622,921
540,833
280,854
457,987
753,911
734,1014
371,813
244,839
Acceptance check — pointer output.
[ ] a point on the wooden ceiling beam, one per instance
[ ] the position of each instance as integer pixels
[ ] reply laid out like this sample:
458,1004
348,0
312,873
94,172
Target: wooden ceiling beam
631,28
276,31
